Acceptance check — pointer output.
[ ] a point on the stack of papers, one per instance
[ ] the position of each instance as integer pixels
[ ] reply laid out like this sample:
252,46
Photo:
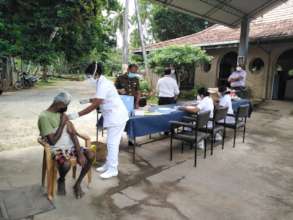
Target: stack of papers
158,111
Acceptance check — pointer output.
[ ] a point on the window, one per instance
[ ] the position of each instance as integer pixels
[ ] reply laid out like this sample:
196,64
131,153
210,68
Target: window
256,65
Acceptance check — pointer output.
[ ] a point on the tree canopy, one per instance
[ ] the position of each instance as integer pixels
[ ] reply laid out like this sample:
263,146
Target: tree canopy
162,23
169,24
178,56
41,31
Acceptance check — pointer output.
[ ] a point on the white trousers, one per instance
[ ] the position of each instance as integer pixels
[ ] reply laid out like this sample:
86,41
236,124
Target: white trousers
114,135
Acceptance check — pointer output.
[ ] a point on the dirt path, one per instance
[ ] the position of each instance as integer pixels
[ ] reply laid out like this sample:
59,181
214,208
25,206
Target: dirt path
19,112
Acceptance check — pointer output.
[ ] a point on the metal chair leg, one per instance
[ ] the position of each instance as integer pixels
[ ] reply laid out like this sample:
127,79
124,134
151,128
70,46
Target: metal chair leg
205,148
235,131
182,147
244,131
224,136
133,152
212,144
195,156
223,140
171,148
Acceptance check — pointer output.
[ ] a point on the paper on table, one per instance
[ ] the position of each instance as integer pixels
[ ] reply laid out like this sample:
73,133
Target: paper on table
139,112
164,109
152,113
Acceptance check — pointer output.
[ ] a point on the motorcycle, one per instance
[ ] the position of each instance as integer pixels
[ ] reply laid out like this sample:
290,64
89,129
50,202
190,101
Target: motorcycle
26,81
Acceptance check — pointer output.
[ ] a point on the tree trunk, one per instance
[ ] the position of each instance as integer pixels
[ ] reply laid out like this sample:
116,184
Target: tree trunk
15,69
28,67
21,65
45,73
37,70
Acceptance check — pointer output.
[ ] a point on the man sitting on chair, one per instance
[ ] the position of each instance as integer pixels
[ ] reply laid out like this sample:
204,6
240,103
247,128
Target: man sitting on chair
60,133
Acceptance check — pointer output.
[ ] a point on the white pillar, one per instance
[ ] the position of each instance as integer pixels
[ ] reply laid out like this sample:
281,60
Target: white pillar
244,41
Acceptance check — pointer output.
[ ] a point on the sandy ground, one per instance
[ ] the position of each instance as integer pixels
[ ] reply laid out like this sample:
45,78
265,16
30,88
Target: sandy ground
19,113
252,181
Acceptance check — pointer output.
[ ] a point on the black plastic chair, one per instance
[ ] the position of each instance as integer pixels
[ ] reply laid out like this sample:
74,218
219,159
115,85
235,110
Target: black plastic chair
240,121
219,115
194,136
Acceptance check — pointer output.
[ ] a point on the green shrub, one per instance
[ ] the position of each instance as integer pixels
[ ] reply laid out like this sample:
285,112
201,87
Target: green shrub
144,86
188,94
152,100
178,55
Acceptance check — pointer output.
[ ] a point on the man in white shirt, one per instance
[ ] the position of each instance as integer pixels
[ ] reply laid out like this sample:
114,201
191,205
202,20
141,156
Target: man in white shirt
167,89
115,117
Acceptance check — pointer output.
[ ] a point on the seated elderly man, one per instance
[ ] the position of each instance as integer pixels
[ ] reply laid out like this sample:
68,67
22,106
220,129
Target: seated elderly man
60,133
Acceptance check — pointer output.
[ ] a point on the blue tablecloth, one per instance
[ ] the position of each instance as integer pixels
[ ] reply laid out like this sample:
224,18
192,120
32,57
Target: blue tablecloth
138,126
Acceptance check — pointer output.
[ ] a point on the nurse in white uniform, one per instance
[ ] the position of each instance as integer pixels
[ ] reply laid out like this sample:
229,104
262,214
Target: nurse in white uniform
115,117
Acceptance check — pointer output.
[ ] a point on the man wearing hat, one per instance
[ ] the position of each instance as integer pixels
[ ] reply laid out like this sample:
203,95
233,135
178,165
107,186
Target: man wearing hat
55,128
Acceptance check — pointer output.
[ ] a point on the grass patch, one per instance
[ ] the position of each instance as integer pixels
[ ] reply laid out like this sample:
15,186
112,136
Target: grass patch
53,80
49,82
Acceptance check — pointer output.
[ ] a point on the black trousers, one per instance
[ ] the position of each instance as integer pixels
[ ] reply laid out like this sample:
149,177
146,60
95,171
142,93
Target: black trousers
166,100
